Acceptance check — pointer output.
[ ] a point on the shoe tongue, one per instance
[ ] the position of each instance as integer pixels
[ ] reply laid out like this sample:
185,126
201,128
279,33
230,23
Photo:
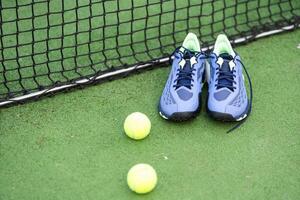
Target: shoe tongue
225,64
186,53
186,68
225,67
226,56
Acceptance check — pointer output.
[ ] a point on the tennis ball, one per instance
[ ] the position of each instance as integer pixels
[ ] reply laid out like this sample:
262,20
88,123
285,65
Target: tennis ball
141,178
137,125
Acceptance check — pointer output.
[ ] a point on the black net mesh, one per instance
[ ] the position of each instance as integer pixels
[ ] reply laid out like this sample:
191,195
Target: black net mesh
49,43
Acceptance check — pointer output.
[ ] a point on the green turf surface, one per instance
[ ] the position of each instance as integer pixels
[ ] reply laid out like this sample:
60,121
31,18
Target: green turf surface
72,146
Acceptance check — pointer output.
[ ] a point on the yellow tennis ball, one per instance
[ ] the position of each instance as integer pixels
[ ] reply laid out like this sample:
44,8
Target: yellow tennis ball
137,125
142,178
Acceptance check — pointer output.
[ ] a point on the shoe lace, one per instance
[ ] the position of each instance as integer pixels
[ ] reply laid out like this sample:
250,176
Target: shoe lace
250,100
184,74
225,76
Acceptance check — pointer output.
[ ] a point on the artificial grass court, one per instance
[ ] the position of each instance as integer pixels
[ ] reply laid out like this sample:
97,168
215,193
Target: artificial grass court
72,146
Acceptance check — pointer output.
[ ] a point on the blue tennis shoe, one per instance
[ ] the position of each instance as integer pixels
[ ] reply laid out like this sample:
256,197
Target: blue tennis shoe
181,97
227,96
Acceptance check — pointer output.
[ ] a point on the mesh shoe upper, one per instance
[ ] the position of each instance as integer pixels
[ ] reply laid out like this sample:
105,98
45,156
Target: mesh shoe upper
181,92
227,92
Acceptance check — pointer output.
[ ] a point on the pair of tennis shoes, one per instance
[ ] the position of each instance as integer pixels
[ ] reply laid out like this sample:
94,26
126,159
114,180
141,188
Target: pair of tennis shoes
223,71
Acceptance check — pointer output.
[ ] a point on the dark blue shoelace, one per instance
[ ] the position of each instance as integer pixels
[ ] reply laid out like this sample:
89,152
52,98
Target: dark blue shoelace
184,74
225,75
250,100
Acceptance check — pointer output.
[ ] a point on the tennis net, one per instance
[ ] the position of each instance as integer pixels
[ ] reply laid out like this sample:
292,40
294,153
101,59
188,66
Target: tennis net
50,45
